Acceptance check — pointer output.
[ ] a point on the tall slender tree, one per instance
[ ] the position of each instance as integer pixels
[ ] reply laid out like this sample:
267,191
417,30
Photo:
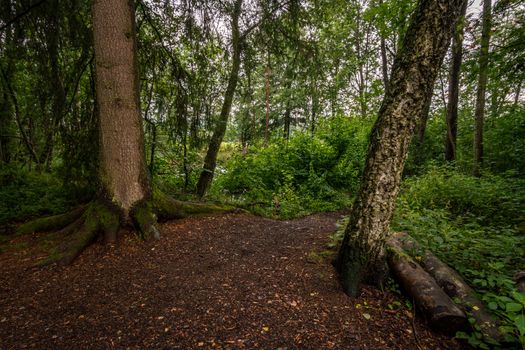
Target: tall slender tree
483,64
210,161
362,254
453,88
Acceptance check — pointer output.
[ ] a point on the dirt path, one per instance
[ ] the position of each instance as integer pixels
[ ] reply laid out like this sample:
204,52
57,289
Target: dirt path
222,282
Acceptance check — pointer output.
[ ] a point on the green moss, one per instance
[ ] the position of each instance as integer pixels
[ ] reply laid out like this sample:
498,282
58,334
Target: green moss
144,218
320,257
50,223
54,257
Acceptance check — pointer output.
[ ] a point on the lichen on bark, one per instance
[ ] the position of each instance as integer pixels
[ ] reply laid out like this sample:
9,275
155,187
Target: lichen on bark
362,255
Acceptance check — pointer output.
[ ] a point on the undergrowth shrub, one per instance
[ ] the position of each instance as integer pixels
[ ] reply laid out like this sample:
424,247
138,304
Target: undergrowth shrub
476,225
302,175
27,195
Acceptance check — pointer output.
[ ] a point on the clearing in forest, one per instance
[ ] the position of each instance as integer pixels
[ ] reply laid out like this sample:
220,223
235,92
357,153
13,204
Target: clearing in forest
231,281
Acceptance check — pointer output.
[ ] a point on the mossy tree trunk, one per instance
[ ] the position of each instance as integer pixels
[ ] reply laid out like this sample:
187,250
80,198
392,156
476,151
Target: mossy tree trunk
123,175
362,256
125,195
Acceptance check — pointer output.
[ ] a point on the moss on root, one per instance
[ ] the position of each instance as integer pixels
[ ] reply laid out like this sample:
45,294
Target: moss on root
50,223
168,208
81,227
145,220
98,217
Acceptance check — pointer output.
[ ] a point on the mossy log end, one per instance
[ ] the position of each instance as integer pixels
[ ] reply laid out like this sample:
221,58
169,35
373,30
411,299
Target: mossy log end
102,218
438,308
452,284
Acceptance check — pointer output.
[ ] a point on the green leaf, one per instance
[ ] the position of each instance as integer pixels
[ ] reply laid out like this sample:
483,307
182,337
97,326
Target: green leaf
513,307
519,297
367,316
519,321
493,305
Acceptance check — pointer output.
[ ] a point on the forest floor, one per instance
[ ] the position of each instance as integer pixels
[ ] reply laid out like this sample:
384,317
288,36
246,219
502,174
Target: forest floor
231,281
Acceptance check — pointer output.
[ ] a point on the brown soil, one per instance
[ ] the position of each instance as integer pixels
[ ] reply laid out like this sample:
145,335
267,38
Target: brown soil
220,282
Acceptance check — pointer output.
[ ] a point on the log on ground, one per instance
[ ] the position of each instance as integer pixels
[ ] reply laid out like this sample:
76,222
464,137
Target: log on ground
453,284
440,311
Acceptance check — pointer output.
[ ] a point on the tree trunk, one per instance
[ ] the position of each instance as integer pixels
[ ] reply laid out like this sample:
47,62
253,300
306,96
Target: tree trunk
421,129
287,120
479,113
267,76
122,162
517,94
384,63
453,89
6,110
210,161
362,252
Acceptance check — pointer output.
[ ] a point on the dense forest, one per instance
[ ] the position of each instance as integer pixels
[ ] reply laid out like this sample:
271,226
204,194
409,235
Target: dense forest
406,116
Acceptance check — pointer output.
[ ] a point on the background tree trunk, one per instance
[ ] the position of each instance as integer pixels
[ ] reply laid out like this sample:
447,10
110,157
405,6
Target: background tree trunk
210,161
122,161
453,89
362,253
482,86
421,129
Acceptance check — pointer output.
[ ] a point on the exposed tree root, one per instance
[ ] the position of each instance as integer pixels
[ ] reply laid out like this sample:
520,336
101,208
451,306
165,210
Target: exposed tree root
101,218
51,222
167,208
98,219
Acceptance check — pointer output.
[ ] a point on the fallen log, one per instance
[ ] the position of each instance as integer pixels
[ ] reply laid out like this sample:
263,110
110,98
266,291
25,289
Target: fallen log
452,284
440,311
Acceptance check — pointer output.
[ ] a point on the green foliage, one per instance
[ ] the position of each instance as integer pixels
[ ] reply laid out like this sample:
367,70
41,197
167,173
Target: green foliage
476,226
27,195
505,141
302,175
491,199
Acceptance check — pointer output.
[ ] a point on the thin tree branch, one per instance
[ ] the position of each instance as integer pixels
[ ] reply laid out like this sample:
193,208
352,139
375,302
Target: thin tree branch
21,15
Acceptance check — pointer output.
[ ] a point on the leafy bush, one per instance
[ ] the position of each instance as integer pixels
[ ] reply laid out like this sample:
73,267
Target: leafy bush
301,175
505,141
491,199
475,225
27,194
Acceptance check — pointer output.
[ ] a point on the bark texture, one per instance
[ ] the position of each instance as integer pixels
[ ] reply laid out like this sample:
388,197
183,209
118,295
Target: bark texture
210,161
451,283
438,308
362,253
479,113
453,89
122,163
421,130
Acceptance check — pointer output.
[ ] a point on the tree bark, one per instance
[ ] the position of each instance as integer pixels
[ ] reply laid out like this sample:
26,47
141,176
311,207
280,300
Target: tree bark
6,110
437,306
210,161
479,113
122,161
451,283
384,63
421,130
362,253
453,89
